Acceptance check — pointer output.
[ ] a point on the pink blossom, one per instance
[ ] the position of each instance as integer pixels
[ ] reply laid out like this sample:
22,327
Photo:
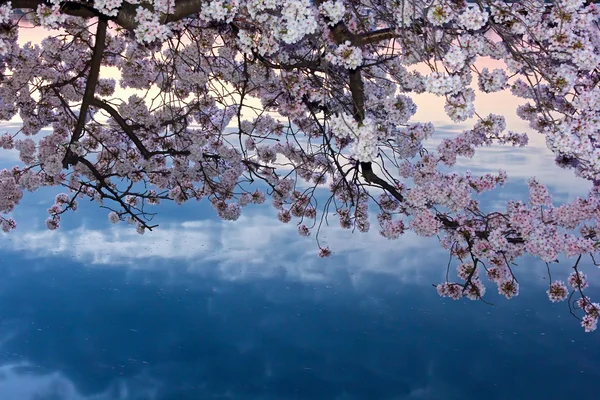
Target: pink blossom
312,105
53,222
538,194
303,230
425,224
577,280
509,288
324,252
558,291
589,323
7,224
466,270
475,289
452,290
113,217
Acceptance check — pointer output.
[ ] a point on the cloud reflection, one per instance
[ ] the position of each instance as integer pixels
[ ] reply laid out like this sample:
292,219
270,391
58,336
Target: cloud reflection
110,333
257,245
23,381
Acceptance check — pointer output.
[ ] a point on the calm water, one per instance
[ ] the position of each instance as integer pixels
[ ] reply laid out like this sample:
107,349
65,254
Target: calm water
203,309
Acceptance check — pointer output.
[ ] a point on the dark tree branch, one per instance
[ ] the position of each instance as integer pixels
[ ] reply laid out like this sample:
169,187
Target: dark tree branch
123,124
126,16
378,36
129,131
114,194
90,88
371,177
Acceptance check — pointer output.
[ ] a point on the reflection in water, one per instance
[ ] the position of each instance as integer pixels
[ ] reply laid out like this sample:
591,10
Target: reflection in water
24,381
205,309
71,332
255,245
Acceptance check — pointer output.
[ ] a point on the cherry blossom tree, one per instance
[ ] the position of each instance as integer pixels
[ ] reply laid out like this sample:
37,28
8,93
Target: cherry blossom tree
236,101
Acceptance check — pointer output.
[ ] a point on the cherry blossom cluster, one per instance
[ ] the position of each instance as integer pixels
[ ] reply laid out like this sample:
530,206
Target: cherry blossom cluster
425,223
298,19
164,6
6,12
492,81
149,28
538,194
11,192
113,217
346,55
558,291
7,224
440,12
363,136
333,10
399,109
460,107
390,228
441,84
408,11
50,17
248,43
472,18
218,10
455,58
592,313
565,51
61,203
108,7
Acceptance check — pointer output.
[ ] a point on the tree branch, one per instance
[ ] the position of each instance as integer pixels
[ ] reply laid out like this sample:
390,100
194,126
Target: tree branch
123,124
129,131
127,13
90,88
371,177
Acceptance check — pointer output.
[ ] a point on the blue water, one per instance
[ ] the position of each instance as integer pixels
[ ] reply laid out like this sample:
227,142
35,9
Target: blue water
206,309
70,331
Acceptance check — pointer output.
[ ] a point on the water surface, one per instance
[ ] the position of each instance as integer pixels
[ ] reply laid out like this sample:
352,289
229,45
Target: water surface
206,309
